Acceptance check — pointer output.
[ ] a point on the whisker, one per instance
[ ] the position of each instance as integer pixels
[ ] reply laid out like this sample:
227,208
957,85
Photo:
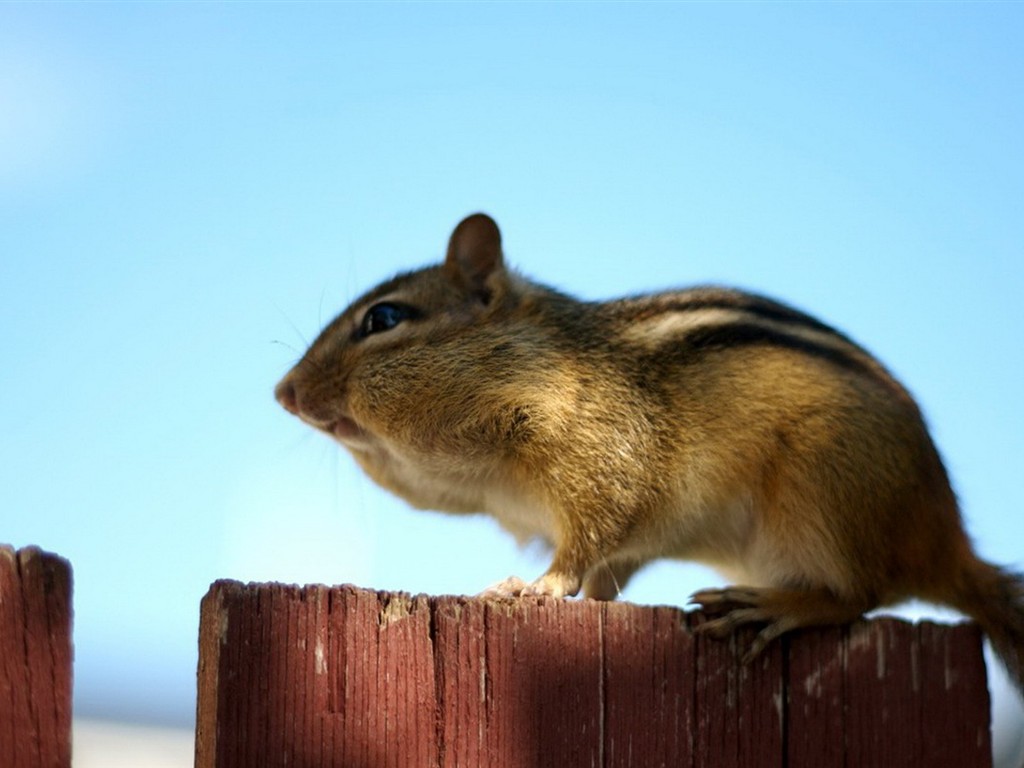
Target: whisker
611,572
293,326
288,346
320,309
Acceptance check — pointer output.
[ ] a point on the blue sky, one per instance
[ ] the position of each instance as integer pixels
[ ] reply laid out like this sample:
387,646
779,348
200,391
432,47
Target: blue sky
188,191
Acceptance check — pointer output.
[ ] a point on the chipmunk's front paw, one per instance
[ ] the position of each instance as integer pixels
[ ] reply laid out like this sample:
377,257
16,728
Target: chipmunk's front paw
549,585
557,585
513,586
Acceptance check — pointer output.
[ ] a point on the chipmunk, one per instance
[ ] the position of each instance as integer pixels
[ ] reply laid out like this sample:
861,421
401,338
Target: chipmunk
706,424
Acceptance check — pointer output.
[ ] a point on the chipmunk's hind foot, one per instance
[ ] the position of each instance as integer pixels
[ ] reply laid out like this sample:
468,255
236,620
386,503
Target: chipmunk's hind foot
779,610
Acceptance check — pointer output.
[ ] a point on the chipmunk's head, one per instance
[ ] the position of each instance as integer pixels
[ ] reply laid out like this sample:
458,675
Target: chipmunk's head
373,366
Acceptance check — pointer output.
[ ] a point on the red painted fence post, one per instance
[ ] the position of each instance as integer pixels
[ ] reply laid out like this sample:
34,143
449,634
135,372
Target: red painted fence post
314,677
35,659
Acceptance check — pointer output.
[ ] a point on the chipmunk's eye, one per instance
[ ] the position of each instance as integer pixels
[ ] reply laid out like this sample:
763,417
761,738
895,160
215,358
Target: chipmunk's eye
385,316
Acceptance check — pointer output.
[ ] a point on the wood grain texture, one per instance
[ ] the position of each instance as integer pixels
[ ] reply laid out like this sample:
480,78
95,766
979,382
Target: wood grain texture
35,659
341,676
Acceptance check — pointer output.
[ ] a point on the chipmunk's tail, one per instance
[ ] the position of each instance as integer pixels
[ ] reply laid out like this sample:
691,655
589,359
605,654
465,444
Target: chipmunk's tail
995,599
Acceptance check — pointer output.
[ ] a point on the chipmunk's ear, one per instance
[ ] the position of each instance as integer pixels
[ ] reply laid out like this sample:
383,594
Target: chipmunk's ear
474,252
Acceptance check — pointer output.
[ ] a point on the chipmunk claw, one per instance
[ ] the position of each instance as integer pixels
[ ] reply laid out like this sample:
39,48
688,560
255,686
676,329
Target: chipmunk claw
736,607
719,601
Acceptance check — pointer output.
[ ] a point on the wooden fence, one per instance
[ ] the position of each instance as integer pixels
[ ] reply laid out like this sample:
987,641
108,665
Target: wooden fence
314,677
35,659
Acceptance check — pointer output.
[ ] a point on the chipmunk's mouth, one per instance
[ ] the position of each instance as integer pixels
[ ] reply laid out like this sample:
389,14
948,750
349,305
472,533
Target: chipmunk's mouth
319,415
346,430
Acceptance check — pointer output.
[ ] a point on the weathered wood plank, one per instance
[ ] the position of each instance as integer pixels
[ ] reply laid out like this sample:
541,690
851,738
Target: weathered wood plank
542,677
462,688
321,676
649,657
816,698
953,695
883,725
35,659
739,706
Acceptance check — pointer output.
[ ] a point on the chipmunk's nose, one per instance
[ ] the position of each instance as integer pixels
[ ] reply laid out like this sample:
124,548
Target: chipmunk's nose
287,396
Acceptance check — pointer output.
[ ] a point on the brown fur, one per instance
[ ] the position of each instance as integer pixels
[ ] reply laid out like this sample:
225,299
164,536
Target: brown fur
706,424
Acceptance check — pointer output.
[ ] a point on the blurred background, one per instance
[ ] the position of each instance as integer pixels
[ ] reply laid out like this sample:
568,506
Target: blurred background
189,191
